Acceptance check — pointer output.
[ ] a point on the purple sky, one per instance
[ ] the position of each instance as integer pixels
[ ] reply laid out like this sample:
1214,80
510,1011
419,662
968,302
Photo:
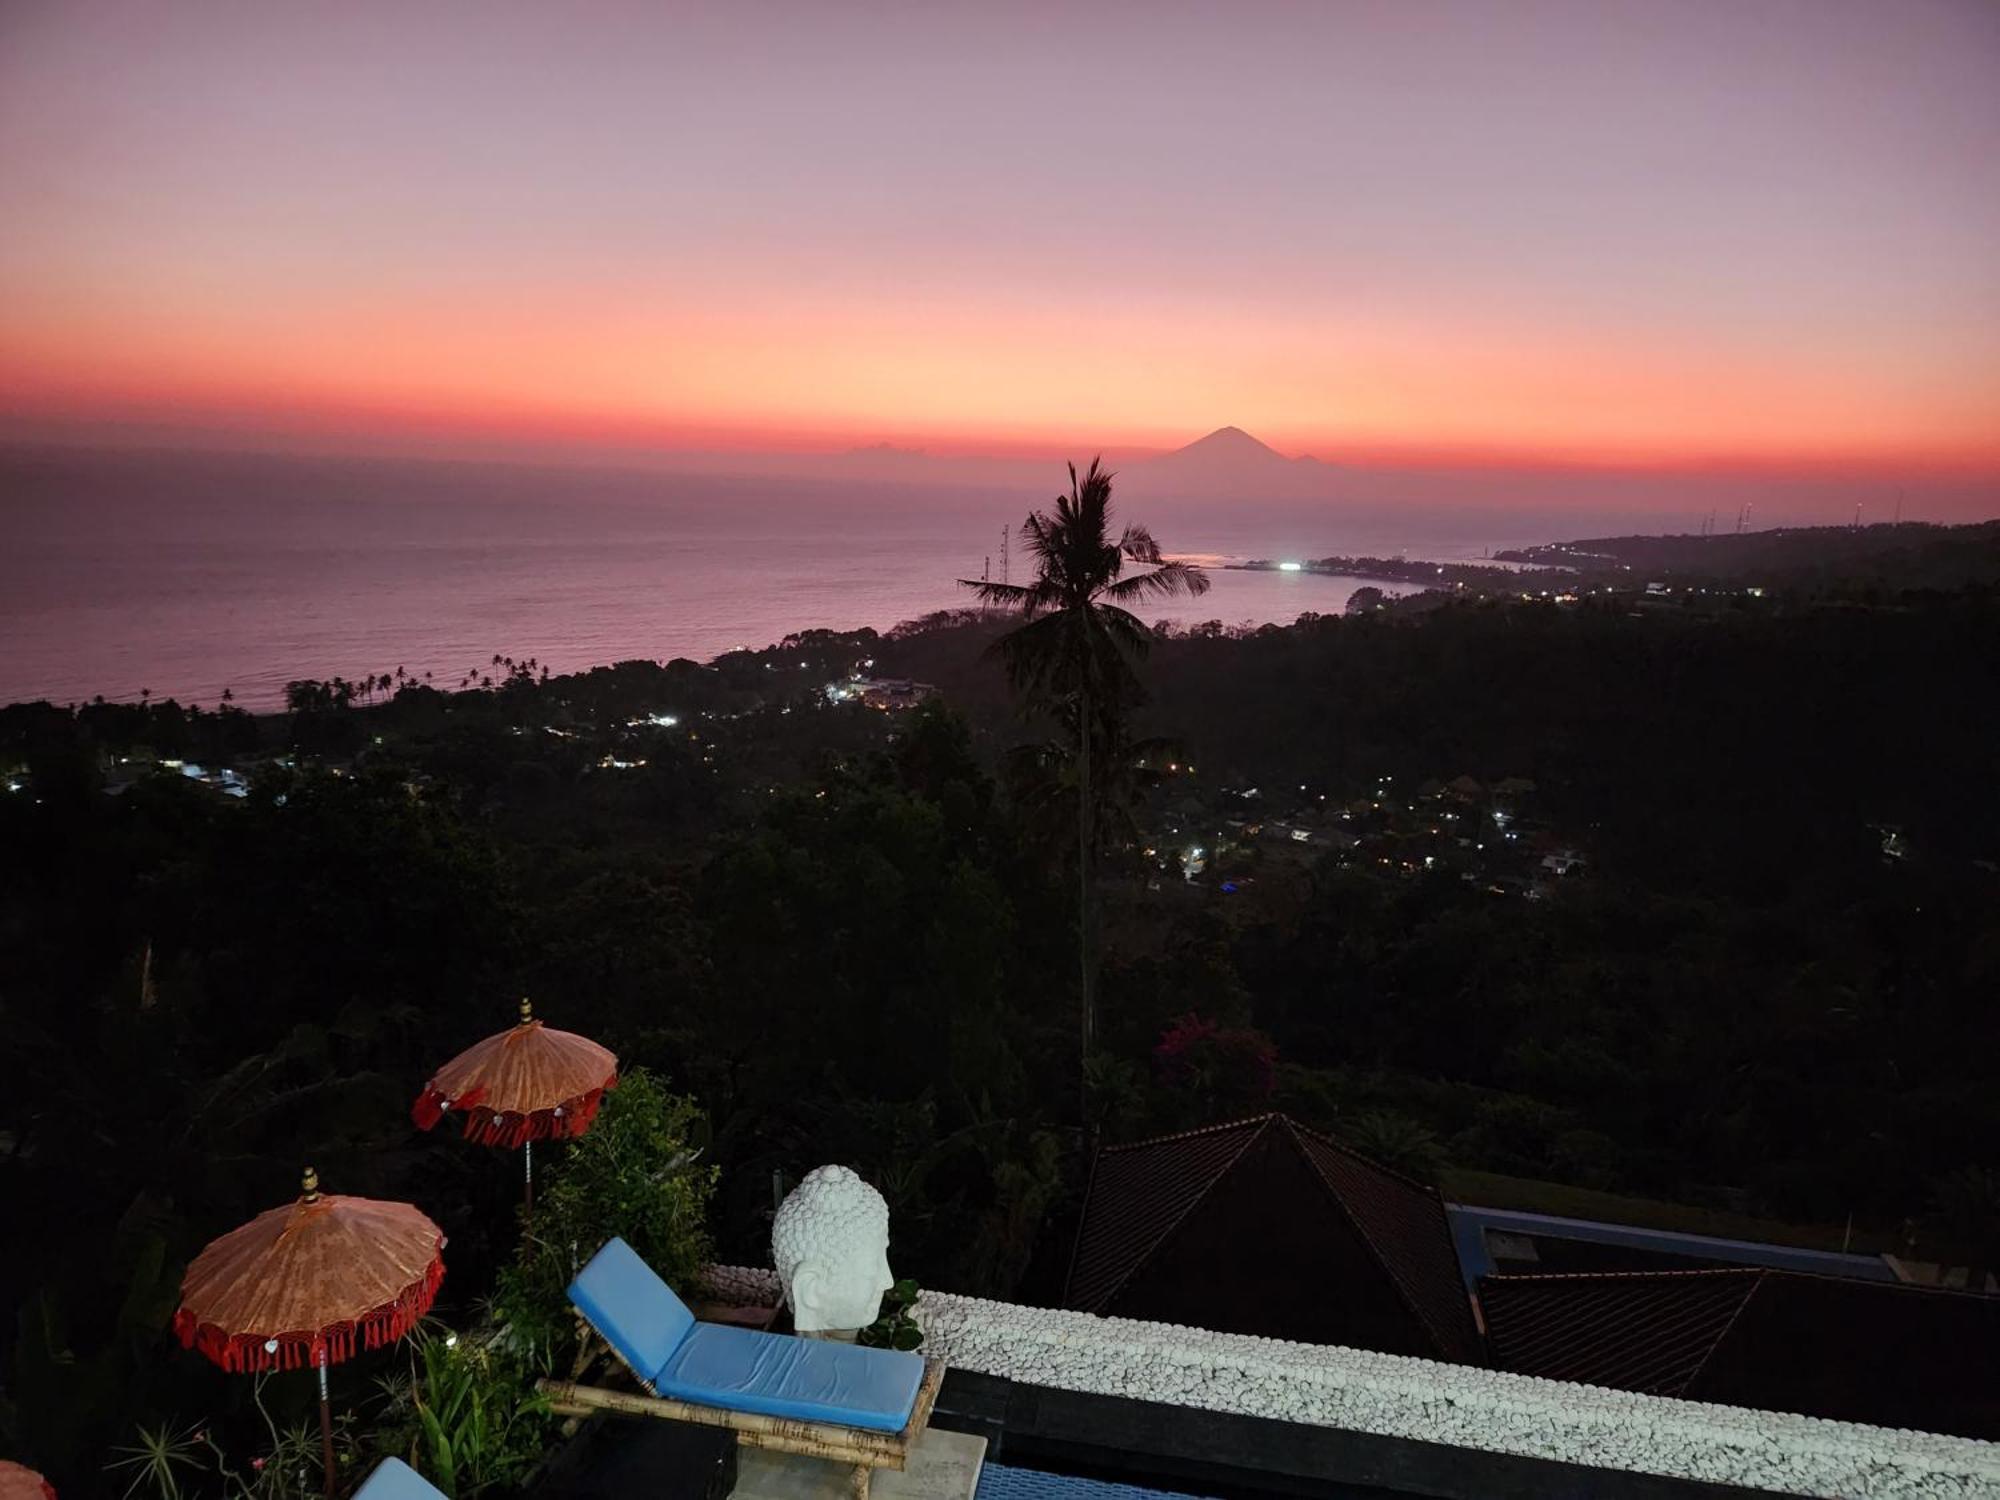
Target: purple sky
1750,232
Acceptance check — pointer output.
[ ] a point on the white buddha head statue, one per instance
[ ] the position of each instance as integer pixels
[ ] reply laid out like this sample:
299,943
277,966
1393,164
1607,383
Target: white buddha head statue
830,1245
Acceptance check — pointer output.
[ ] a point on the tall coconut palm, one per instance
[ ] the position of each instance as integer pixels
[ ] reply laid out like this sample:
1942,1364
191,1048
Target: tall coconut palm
1075,654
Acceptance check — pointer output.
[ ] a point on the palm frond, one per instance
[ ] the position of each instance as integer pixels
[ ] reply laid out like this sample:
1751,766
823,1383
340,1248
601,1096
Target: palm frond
1026,599
1035,655
1167,581
1137,543
1125,630
1037,537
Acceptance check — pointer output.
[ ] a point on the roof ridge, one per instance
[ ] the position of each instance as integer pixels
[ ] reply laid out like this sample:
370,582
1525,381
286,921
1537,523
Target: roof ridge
1185,1135
1083,1209
1188,1208
1416,1304
1723,1332
1325,1138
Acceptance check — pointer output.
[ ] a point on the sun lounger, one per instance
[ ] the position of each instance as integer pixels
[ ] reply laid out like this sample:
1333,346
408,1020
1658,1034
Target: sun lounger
395,1480
863,1407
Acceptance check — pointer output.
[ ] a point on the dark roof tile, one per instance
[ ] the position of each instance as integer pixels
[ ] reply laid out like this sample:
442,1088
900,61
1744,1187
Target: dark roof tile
1823,1346
1139,1193
1647,1332
1405,1226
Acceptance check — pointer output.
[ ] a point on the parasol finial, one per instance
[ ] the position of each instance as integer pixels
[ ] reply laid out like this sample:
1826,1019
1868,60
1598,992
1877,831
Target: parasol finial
527,1010
309,1186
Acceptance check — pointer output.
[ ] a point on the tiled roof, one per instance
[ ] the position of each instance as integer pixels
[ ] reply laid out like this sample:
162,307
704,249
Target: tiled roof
1405,1226
1139,1193
1823,1346
1638,1331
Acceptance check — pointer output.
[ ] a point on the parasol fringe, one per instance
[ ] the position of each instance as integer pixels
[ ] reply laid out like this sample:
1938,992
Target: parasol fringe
489,1127
431,1105
243,1352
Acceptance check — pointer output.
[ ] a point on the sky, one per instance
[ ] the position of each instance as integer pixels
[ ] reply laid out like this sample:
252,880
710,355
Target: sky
1762,234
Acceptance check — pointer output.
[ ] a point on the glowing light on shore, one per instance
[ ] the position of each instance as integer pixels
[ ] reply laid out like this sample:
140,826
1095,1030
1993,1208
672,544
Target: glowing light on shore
1290,567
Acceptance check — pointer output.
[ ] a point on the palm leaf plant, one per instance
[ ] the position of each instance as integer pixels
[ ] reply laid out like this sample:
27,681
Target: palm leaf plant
157,1460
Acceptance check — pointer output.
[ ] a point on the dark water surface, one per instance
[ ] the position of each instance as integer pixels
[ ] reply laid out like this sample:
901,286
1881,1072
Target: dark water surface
189,573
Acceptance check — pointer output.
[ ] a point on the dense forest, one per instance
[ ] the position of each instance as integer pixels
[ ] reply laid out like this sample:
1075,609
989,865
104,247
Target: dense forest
850,935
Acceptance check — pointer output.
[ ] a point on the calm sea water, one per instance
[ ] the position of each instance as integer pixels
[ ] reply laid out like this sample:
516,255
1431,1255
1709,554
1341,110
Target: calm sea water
187,574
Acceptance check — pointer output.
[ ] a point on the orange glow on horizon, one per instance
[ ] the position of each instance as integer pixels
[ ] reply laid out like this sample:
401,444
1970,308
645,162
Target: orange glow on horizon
1539,235
975,383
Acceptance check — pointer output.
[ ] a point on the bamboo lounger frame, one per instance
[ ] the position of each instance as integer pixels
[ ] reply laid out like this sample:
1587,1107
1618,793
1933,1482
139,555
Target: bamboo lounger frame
864,1450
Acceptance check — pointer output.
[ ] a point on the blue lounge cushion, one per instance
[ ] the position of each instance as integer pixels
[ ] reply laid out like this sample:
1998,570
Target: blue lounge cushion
395,1480
637,1313
737,1369
807,1380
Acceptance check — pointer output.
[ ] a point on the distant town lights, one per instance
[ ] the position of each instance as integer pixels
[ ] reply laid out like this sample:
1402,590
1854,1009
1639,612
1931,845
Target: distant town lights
1291,567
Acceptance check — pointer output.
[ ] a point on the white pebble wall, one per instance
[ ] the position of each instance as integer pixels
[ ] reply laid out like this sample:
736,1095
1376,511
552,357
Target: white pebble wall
1397,1396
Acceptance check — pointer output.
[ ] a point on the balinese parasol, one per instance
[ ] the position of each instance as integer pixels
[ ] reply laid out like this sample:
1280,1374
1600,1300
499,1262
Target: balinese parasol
18,1482
527,1084
308,1284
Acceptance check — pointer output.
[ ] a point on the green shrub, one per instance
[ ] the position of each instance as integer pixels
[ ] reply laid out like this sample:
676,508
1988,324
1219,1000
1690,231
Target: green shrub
637,1175
468,1418
896,1328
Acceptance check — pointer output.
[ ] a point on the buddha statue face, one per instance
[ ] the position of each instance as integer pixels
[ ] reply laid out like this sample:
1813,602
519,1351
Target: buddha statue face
830,1244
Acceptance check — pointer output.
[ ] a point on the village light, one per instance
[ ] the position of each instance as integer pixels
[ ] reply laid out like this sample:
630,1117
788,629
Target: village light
1290,567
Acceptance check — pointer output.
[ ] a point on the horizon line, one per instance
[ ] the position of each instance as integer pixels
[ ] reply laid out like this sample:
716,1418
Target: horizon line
416,439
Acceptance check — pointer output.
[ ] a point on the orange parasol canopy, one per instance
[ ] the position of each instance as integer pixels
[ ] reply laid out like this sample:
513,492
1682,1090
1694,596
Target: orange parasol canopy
529,1083
303,1283
18,1482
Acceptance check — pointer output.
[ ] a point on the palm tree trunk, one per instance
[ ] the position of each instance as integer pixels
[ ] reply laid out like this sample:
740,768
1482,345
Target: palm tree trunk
1083,875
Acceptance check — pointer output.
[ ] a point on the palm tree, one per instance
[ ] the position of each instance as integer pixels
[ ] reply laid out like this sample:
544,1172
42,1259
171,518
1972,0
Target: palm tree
1074,655
1041,779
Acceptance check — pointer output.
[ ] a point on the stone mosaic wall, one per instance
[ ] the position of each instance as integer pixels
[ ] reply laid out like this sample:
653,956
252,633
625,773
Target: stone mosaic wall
1396,1396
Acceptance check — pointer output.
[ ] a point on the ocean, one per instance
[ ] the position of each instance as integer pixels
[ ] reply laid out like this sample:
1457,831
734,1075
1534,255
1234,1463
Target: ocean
185,574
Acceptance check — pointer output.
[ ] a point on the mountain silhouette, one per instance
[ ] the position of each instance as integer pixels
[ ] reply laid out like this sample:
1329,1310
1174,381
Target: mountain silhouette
1231,464
1231,443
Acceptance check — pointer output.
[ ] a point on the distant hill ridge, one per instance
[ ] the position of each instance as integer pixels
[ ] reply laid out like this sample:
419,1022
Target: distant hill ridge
1906,554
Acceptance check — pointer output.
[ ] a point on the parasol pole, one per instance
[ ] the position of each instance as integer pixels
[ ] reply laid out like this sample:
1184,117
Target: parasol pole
527,1146
325,1426
311,1185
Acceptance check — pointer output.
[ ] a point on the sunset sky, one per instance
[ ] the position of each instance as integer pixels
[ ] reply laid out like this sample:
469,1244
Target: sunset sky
1631,233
